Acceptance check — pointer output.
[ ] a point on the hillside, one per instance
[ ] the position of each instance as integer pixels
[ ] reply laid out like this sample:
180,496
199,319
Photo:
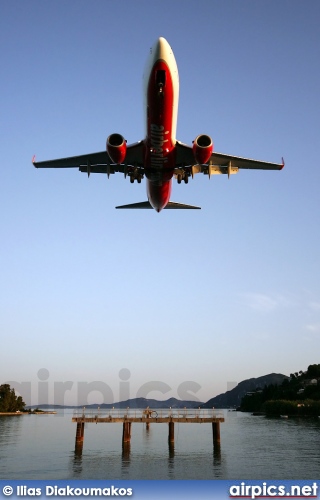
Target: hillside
297,395
232,399
133,403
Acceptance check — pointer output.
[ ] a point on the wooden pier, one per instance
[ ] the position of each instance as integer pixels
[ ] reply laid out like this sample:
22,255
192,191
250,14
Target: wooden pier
147,416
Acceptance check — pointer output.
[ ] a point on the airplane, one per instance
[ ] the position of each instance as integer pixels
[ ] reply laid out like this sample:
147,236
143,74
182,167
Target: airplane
159,157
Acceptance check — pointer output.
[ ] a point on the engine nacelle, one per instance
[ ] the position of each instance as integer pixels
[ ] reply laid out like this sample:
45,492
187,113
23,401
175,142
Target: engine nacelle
202,148
117,148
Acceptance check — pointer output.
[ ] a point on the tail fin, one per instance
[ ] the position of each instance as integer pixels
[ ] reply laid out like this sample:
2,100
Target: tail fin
170,205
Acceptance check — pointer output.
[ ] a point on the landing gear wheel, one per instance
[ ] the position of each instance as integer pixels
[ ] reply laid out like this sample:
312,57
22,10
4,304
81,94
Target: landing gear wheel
179,178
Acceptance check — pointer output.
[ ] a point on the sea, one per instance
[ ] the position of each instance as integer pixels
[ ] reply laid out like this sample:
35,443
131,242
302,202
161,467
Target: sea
42,447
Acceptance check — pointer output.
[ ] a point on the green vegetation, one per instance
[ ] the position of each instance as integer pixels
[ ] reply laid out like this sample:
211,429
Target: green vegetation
309,408
297,395
9,402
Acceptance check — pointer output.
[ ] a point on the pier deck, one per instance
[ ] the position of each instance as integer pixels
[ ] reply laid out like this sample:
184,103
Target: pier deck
147,416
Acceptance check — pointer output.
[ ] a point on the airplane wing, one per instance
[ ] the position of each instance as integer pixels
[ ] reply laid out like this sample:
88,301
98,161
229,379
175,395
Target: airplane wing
219,163
98,162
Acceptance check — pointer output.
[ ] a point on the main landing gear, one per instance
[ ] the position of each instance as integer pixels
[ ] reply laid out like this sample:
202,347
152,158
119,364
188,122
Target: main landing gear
185,178
134,177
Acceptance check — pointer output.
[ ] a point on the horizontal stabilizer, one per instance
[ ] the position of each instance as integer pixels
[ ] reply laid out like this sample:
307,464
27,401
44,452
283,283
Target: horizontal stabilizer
174,204
142,204
171,205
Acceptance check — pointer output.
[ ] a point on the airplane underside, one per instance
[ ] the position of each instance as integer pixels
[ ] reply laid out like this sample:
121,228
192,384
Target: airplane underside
159,157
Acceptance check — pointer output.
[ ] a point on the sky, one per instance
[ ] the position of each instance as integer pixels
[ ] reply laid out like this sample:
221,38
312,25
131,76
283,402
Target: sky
98,305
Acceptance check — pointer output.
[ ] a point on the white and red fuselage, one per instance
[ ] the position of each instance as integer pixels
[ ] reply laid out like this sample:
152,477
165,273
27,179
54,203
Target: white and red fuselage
161,90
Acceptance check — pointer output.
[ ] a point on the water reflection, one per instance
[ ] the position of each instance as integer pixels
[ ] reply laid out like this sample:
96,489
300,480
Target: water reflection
77,463
217,455
10,428
171,456
126,447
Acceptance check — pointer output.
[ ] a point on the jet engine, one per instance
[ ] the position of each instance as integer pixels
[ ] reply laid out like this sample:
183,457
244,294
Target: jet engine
202,148
116,148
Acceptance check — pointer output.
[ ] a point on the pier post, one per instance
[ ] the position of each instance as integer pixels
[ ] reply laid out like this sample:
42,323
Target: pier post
171,432
171,452
79,437
80,432
126,432
216,433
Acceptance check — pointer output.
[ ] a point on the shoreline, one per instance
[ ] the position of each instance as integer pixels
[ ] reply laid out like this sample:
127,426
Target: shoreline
16,414
10,414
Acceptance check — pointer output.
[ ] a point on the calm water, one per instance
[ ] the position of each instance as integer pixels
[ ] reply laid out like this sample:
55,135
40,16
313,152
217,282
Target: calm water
42,447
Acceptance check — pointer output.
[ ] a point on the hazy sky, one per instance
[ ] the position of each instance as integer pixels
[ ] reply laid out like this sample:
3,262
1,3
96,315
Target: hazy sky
136,302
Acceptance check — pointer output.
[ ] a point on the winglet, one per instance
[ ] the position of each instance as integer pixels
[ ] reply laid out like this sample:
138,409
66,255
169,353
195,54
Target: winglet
34,159
283,164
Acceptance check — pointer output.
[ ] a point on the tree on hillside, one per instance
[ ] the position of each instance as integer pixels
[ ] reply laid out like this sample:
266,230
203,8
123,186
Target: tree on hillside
313,371
297,388
9,402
